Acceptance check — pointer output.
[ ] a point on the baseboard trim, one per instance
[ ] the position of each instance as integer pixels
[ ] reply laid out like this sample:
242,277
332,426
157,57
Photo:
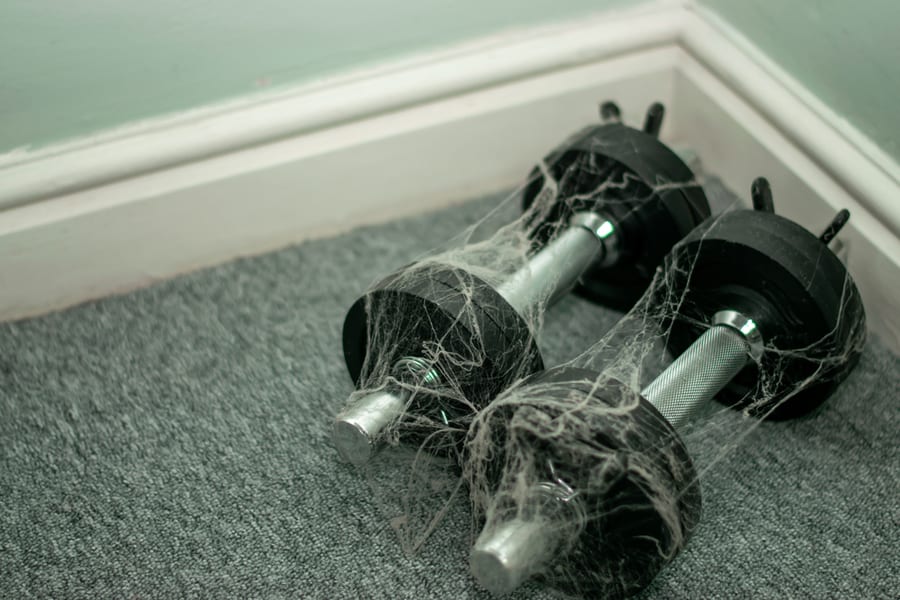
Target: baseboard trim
128,208
207,132
134,231
850,157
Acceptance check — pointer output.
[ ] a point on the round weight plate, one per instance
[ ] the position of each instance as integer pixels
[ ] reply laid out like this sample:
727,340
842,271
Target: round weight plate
797,291
480,343
627,175
626,468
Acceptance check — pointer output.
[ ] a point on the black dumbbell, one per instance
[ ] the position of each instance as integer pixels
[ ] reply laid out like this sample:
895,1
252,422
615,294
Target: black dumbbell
583,482
432,343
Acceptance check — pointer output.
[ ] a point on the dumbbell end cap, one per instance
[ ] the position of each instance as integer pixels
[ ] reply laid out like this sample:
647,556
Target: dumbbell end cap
507,555
352,442
491,572
357,430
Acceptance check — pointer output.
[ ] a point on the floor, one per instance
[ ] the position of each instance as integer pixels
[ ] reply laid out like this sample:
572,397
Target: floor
175,441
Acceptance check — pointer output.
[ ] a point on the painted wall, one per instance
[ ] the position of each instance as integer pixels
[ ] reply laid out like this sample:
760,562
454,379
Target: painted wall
72,68
847,53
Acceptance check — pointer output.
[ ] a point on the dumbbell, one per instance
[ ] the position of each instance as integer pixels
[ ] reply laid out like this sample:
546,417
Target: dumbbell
436,340
585,483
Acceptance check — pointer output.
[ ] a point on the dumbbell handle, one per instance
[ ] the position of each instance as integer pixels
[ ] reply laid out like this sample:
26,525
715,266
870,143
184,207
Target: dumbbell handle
701,371
553,270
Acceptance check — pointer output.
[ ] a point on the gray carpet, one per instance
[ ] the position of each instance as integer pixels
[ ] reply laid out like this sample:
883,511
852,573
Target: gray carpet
175,442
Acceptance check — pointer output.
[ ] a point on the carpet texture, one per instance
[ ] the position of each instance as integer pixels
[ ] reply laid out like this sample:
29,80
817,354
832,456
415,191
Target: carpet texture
175,442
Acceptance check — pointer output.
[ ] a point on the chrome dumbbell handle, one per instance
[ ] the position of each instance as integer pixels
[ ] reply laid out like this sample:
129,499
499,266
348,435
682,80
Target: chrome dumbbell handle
702,370
552,271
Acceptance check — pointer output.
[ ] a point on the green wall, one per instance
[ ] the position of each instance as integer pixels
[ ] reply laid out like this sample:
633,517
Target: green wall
845,52
70,68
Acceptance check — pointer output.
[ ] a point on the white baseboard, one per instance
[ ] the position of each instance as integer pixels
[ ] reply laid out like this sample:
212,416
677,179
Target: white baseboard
154,200
261,119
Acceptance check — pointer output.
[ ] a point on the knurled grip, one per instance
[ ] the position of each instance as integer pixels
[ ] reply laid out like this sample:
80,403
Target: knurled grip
699,373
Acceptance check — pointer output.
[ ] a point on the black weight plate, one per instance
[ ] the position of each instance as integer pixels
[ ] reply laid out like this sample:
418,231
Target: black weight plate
625,540
650,220
490,344
796,290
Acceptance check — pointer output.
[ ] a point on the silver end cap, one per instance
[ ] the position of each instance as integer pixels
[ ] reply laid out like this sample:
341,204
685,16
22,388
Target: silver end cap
357,430
505,556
